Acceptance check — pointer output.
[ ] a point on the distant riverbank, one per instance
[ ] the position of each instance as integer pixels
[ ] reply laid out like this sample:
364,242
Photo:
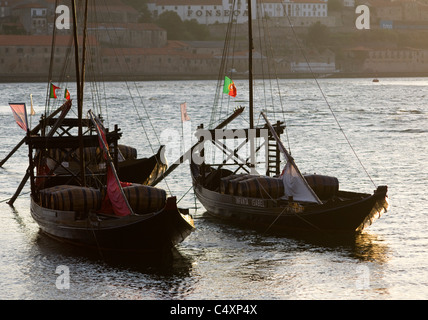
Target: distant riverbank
158,77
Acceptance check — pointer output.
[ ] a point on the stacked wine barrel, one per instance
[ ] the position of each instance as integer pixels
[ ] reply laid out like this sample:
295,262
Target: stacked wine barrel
145,199
71,198
324,186
246,185
142,199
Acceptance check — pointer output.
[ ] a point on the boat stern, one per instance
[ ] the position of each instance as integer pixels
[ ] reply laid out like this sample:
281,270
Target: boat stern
380,207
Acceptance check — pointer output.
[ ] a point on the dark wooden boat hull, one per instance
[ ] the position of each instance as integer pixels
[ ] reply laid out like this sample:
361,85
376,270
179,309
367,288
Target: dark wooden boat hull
142,171
268,215
132,234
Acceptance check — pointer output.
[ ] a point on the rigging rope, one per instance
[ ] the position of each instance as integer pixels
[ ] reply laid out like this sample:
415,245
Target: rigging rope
326,100
131,94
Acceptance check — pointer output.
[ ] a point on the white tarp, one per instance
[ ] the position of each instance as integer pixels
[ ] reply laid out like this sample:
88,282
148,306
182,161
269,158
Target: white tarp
296,186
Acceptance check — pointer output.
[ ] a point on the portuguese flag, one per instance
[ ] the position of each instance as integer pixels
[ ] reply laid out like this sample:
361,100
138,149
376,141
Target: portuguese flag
52,91
229,87
66,94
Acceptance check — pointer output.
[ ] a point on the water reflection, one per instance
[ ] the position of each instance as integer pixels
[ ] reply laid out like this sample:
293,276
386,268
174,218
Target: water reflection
364,247
92,275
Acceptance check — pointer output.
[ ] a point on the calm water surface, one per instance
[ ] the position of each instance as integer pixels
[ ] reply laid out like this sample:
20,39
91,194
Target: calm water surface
387,125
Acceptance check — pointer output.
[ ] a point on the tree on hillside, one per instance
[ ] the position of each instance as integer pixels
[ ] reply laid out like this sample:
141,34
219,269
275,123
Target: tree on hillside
172,23
141,7
179,30
318,34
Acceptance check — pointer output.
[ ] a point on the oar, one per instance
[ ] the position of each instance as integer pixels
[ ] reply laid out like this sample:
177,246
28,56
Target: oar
21,185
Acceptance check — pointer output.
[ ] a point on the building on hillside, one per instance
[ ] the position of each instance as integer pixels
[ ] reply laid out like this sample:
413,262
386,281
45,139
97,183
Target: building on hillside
174,60
221,11
387,60
4,9
314,62
31,54
33,16
132,35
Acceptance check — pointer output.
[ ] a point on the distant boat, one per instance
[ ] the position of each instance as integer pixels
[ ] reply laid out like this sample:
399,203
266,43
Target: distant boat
274,201
375,80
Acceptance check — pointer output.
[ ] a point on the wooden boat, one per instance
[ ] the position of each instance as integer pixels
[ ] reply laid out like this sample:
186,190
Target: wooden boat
277,202
82,200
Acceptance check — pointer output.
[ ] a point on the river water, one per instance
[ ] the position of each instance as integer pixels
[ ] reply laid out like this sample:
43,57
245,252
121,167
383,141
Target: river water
387,126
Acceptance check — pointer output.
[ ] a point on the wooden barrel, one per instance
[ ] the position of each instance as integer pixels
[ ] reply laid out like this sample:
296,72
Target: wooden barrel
232,187
261,187
224,183
71,198
229,184
127,151
324,186
145,199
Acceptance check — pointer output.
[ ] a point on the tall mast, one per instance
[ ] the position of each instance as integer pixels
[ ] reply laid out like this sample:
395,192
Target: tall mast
84,51
250,61
79,93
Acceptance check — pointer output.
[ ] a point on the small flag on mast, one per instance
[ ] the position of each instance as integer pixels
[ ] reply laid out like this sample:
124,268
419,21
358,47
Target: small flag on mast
32,109
66,94
184,115
20,114
229,87
52,94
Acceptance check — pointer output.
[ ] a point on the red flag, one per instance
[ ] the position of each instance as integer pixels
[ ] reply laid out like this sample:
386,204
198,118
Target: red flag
52,93
184,115
66,94
114,195
229,87
20,114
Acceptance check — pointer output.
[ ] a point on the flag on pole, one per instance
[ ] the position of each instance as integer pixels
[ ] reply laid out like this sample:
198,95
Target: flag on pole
32,109
66,94
20,114
184,115
52,94
229,87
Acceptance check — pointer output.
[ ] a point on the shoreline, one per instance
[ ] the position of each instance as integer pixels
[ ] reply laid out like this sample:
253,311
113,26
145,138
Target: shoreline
31,78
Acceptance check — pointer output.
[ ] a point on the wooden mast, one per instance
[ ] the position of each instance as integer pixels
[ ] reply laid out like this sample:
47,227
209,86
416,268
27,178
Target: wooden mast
250,62
250,84
79,87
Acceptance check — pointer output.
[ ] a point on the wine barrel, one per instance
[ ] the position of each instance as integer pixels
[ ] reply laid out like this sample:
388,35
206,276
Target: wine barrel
261,187
145,199
229,184
127,152
323,186
71,198
224,182
232,187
